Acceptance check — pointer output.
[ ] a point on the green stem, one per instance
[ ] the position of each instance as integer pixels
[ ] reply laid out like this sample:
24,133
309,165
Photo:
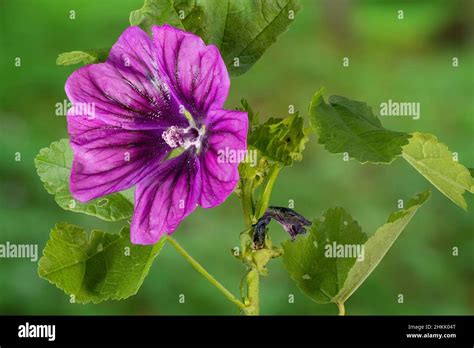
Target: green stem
252,212
205,273
247,203
342,309
267,191
253,293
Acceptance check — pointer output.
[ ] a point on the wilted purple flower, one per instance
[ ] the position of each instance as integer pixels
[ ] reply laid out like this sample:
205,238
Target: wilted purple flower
150,97
290,220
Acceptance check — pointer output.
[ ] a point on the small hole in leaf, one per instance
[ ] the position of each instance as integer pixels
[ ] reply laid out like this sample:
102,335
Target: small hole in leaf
103,202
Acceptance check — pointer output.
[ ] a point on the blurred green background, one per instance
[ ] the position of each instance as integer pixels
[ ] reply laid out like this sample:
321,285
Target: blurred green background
402,60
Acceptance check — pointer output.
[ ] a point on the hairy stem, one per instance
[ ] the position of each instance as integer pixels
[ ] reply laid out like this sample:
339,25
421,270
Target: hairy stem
205,273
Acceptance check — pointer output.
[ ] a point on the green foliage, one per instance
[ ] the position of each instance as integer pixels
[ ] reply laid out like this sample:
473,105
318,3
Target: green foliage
216,22
350,126
241,29
95,267
84,57
154,12
325,278
252,115
319,276
53,165
378,245
280,140
438,165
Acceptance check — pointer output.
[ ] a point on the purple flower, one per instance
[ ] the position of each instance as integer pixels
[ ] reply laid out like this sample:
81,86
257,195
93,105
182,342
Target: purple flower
150,97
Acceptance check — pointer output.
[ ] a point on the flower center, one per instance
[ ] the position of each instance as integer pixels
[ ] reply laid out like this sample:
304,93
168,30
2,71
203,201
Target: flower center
183,137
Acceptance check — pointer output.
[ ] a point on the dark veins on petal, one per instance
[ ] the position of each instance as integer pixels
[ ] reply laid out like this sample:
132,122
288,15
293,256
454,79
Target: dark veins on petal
168,107
157,205
196,105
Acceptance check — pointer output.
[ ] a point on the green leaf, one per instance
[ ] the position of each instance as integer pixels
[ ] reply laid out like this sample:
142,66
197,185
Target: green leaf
308,260
378,245
280,140
84,57
347,126
252,115
327,279
437,164
53,165
241,29
156,12
95,267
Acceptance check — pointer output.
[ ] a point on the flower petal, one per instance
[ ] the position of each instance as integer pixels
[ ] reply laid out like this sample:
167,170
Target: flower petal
108,159
127,91
225,145
162,201
196,72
